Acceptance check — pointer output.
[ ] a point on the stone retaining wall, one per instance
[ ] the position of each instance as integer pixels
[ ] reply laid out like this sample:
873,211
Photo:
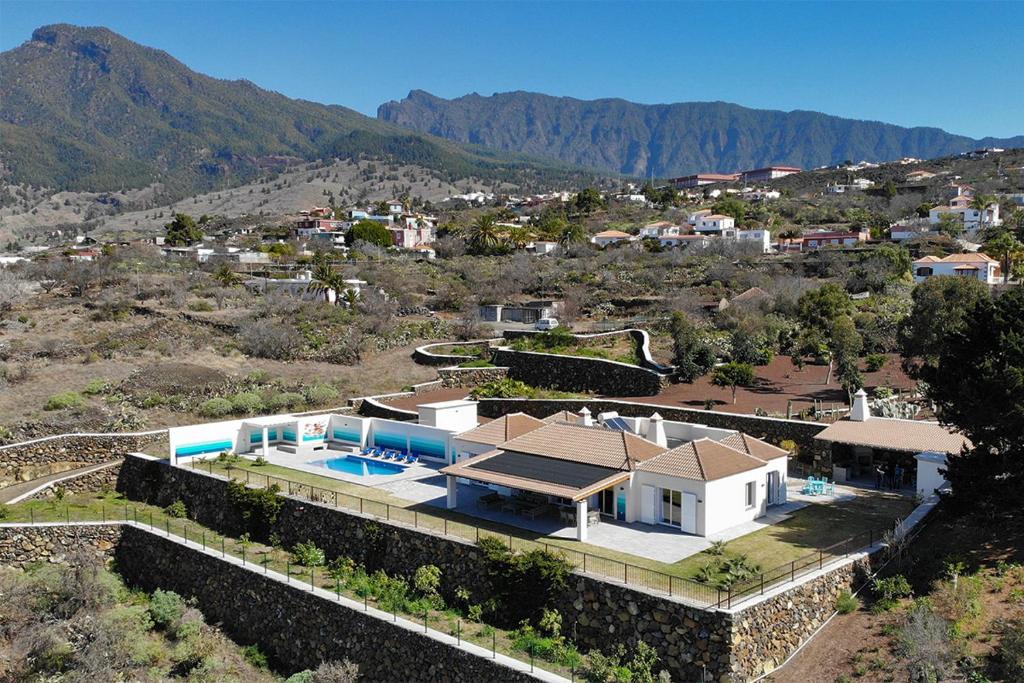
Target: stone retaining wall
41,457
639,337
368,407
770,429
469,377
578,374
424,355
296,628
103,479
23,545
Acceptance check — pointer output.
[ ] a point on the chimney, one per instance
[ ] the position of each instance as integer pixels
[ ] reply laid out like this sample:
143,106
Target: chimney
860,411
585,419
656,430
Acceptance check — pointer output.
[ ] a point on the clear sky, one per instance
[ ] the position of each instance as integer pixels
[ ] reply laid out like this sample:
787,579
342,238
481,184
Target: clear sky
955,65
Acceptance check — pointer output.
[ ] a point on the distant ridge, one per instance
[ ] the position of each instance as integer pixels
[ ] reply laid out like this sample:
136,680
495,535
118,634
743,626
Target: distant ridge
666,140
87,109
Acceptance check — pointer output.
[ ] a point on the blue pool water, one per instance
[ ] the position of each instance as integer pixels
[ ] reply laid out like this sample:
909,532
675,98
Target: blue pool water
362,467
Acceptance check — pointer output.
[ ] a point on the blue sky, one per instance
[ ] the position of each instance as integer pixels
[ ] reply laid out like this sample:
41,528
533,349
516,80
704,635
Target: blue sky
953,65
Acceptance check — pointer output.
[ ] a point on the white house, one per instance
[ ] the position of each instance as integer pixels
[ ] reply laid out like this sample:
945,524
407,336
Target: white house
542,247
660,229
697,479
720,224
975,265
695,216
961,209
763,238
674,241
606,237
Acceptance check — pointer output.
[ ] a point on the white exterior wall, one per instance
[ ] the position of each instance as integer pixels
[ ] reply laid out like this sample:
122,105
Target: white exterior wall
634,504
986,271
928,477
225,435
725,505
762,237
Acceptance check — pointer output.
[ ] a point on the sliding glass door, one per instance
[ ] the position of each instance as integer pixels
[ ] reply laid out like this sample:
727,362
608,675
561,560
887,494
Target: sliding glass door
672,508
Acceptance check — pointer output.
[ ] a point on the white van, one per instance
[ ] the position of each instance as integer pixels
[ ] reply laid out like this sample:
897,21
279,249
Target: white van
546,324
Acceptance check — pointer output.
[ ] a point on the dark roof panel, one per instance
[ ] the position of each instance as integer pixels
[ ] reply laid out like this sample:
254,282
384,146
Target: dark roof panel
563,472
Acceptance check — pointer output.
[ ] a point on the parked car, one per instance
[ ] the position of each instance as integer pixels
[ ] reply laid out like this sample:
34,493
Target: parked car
546,324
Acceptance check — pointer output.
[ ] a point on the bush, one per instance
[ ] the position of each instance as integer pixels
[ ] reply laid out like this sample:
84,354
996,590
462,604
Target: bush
875,361
177,510
215,407
318,394
847,603
890,590
5,512
200,306
1010,655
64,401
259,508
96,386
309,555
165,608
427,579
254,656
503,388
246,403
525,583
478,363
269,339
286,400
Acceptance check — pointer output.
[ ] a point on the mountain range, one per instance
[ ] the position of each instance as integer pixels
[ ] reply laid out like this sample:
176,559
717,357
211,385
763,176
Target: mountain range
664,140
88,109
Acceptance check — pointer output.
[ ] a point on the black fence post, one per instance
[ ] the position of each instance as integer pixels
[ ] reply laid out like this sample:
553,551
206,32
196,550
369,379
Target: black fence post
288,570
821,559
458,631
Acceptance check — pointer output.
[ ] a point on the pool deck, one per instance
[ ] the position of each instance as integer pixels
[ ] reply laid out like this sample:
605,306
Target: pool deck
306,462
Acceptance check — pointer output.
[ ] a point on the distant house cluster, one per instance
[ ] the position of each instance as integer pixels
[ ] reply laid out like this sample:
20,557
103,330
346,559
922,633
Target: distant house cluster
409,230
757,175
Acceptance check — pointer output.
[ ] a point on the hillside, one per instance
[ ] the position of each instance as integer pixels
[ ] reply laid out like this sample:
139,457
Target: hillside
87,109
667,139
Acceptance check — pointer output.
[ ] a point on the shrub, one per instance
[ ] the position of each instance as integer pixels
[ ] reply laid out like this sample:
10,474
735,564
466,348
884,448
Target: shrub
200,306
503,388
177,510
847,603
269,339
286,400
889,590
717,548
1010,655
525,583
260,461
246,402
165,608
64,401
254,656
875,361
215,407
318,394
309,555
478,363
96,386
427,579
259,507
5,512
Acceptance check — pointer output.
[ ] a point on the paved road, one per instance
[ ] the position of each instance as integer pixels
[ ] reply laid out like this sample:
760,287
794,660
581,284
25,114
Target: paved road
11,492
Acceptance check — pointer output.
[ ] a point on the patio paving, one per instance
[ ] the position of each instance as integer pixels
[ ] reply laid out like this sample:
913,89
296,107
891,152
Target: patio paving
655,542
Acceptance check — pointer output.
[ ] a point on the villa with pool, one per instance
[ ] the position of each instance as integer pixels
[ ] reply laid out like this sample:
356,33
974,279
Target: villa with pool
566,474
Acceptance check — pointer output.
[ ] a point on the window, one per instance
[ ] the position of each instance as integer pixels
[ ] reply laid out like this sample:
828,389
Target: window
751,493
924,272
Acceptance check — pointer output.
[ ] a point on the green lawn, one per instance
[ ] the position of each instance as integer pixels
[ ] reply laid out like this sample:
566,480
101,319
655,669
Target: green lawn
810,528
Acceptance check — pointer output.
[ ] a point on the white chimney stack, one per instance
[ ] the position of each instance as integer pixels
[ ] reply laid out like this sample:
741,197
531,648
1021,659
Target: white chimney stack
860,411
656,430
585,419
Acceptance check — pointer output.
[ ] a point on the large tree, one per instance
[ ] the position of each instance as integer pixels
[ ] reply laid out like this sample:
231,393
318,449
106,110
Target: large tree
845,345
692,357
182,231
371,232
819,308
978,387
734,375
940,308
1005,246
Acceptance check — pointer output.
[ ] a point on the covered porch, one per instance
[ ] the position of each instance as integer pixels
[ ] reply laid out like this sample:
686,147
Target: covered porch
566,493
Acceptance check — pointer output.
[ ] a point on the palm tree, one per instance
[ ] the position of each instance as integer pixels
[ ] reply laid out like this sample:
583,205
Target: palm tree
1007,249
573,233
518,237
980,203
483,235
225,276
325,280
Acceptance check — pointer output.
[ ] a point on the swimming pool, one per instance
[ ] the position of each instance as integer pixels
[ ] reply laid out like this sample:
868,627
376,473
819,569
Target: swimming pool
350,464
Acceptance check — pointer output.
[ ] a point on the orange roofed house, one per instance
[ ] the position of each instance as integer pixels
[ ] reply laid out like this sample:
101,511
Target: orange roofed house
697,479
976,265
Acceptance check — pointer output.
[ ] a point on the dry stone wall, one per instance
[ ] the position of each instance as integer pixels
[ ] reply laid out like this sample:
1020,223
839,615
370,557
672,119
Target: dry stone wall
452,378
102,479
23,545
40,457
576,373
296,628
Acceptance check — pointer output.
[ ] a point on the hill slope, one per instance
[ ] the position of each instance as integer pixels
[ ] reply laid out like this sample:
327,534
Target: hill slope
86,108
667,139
